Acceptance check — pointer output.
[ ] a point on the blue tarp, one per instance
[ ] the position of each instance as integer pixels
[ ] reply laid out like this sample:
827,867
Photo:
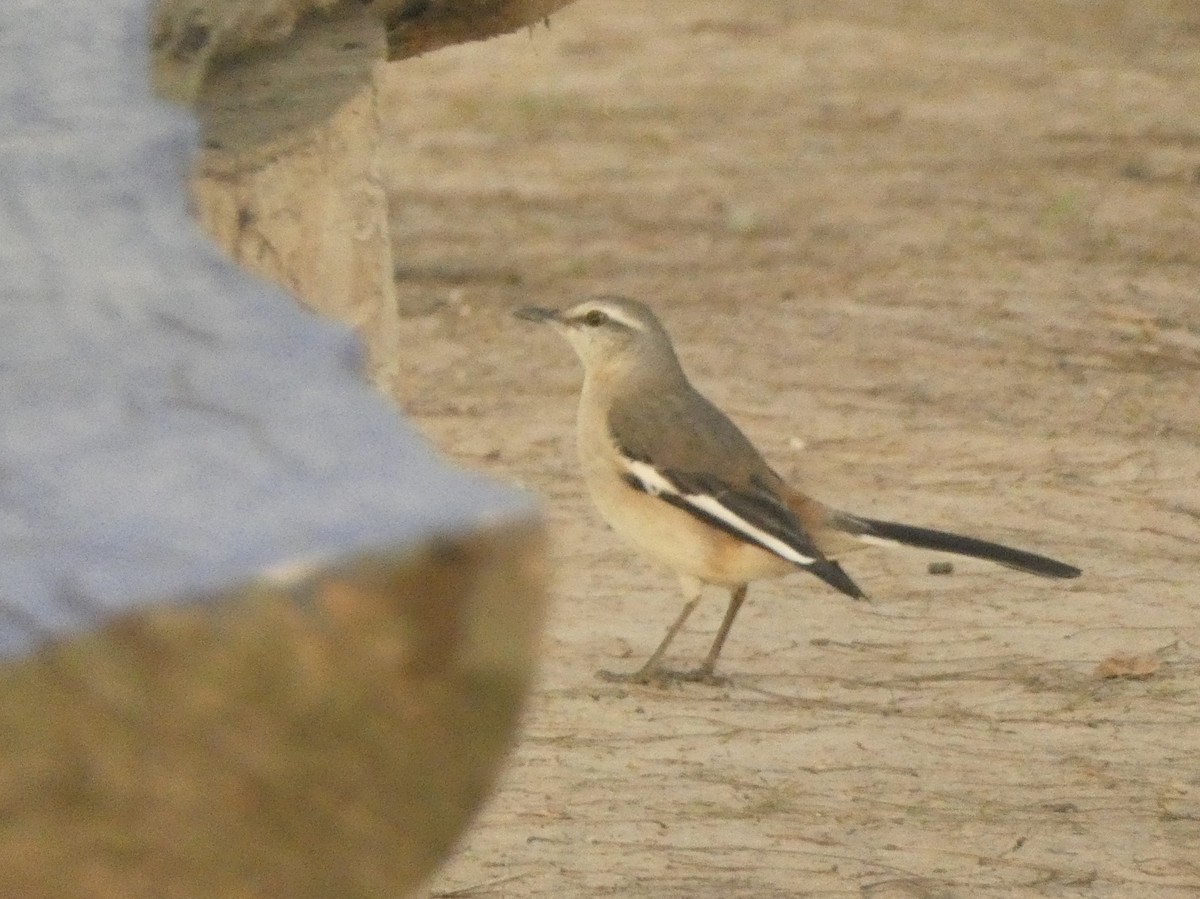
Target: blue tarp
169,426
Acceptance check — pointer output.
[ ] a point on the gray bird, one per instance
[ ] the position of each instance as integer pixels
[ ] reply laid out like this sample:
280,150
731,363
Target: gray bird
682,484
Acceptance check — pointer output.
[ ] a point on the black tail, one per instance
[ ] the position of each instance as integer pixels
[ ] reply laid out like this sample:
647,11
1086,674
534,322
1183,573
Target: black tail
926,538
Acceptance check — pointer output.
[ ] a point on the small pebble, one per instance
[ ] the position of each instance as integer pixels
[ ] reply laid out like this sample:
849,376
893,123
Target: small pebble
941,568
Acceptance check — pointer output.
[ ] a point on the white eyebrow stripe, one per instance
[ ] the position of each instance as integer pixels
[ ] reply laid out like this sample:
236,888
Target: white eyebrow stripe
655,484
618,316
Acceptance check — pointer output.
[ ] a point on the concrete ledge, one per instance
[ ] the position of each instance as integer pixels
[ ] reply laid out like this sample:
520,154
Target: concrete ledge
189,36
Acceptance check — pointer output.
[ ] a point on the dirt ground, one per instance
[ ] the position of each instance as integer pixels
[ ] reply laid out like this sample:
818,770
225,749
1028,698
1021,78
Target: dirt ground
943,264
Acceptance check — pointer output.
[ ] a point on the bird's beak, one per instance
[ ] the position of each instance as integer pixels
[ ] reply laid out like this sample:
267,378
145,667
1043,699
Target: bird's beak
537,314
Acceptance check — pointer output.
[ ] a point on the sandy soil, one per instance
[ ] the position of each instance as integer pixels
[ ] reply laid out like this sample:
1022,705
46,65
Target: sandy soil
943,265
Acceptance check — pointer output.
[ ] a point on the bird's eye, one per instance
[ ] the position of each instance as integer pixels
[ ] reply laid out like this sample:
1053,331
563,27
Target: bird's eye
595,318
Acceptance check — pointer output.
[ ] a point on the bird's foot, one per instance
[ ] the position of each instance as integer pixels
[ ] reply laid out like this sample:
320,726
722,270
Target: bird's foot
701,675
641,676
661,677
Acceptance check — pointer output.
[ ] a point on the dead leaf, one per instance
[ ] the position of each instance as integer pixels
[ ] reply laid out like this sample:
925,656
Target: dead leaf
1127,665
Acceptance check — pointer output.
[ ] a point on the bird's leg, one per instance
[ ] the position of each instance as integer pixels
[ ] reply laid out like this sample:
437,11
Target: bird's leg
652,670
704,674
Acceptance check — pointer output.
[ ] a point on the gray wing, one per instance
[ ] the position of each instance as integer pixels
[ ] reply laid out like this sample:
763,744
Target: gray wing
679,447
681,430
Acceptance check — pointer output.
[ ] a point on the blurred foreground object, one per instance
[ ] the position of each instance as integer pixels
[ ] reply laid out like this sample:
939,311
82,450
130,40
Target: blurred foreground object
255,639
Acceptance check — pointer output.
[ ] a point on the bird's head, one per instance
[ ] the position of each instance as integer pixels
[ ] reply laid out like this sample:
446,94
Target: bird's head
609,333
